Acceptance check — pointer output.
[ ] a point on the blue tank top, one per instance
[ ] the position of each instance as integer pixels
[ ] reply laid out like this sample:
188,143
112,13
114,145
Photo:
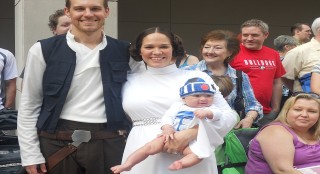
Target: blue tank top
185,63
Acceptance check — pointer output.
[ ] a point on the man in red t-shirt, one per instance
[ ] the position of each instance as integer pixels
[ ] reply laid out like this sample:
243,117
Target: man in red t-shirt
263,66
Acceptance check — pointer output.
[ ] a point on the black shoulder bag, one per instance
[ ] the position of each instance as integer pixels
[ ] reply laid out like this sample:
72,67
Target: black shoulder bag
239,102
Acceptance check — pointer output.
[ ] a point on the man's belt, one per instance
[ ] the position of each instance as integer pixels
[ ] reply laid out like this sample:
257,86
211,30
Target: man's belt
67,135
78,137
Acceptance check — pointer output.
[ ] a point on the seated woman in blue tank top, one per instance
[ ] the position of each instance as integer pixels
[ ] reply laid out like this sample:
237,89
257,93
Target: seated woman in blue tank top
291,142
188,60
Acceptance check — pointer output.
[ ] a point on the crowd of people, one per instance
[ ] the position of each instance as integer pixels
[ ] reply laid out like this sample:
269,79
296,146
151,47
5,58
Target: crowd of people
94,104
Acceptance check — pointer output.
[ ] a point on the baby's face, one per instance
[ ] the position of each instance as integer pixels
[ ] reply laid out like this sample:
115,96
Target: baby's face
198,100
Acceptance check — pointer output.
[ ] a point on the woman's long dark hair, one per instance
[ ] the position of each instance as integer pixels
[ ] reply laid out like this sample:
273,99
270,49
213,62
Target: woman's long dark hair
135,47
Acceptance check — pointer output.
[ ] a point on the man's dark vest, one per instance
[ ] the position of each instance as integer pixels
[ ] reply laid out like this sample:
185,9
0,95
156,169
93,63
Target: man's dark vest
57,78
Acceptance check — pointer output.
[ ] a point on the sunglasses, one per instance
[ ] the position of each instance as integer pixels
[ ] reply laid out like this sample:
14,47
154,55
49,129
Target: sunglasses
312,94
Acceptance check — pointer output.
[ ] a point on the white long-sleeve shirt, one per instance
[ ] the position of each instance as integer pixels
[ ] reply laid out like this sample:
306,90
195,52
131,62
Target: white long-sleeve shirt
84,102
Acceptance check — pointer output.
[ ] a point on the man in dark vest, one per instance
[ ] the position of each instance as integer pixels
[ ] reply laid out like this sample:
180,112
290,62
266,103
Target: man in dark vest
70,118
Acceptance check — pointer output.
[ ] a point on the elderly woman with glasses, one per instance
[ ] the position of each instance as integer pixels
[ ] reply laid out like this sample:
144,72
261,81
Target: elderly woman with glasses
218,48
291,141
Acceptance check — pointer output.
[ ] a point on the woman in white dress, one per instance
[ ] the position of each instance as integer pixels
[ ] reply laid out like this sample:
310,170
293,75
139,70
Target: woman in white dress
148,95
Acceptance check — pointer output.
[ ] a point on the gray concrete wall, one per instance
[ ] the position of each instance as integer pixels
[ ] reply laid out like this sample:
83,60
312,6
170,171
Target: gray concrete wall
31,24
32,18
7,25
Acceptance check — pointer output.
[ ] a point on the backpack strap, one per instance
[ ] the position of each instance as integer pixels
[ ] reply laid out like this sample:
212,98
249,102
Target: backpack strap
4,58
4,63
3,86
234,165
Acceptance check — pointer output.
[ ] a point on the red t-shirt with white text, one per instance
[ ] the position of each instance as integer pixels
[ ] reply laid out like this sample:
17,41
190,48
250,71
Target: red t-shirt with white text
262,67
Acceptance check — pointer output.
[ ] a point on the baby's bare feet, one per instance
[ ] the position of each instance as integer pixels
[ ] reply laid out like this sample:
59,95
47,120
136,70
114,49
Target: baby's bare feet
120,168
176,165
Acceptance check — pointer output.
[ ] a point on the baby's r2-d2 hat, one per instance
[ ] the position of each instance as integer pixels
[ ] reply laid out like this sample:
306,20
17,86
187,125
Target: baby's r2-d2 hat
196,86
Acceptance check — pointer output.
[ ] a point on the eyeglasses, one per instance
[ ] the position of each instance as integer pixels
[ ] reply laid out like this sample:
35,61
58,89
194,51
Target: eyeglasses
312,94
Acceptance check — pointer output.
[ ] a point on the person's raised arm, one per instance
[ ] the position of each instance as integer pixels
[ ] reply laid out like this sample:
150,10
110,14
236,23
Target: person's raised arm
279,157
